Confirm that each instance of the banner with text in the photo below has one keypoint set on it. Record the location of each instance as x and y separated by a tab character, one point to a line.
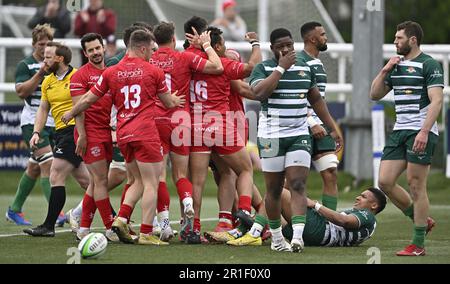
14	152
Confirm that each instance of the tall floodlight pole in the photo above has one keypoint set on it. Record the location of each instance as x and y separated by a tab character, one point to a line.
368	39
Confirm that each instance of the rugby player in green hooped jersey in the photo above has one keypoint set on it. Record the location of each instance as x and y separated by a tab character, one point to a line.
324	156
418	81
325	226
284	84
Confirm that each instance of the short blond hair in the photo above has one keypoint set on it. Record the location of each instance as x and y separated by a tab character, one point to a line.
41	31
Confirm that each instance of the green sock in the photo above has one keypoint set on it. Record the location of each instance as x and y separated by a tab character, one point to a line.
329	201
409	212
46	187
275	224
242	228
298	219
26	184
419	236
260	219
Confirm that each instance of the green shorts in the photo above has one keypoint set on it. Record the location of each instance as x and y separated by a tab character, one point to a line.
47	136
276	147
117	155
400	143
323	145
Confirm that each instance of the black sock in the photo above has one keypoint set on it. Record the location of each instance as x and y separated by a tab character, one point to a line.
55	205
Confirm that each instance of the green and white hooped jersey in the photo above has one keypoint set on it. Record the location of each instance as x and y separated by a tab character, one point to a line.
284	113
321	232
339	236
321	78
410	80
24	72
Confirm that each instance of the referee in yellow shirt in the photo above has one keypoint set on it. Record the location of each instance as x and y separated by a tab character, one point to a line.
56	97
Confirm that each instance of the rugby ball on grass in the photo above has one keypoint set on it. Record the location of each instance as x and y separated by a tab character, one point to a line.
93	245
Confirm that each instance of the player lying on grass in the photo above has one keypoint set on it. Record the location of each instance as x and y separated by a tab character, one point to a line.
324	226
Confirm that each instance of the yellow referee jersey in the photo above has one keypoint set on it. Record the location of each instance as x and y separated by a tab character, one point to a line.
57	92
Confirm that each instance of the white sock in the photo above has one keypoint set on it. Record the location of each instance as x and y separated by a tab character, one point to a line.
256	230
83	230
277	236
124	220
163	219
235	233
298	230
155	222
187	201
77	210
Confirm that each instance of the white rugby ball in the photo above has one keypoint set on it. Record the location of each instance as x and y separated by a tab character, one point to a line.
93	245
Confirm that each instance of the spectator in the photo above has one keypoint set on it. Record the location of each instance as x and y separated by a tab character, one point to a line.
232	25
55	14
111	47
95	19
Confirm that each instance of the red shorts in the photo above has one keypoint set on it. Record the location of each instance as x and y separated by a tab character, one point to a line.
142	151
172	137
96	151
223	140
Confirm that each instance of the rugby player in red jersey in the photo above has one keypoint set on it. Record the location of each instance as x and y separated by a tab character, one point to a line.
134	85
178	68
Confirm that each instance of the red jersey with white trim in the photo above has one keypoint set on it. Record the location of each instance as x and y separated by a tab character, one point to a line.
212	92
178	68
134	84
98	115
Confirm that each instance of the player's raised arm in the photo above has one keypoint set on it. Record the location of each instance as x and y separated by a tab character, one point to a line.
256	56
379	89
213	64
263	89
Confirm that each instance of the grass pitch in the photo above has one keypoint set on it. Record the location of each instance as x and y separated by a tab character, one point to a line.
393	232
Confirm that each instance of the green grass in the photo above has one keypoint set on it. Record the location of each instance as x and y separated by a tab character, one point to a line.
393	232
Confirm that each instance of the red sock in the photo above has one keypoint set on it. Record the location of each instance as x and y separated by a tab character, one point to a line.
226	217
88	211
163	197
197	225
125	211
146	229
124	192
245	203
184	188
104	207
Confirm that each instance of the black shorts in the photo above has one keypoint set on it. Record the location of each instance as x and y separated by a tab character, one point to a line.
65	146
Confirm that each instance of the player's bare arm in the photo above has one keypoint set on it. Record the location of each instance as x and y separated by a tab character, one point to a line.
25	89
243	89
346	221
436	97
256	56
81	144
171	100
264	89
41	119
214	64
379	89
321	109
86	101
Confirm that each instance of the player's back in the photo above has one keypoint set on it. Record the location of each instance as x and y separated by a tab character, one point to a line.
178	68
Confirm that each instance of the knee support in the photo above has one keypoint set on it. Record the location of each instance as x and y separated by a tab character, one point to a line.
326	162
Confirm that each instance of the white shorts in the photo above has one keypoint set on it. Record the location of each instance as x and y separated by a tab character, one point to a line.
299	158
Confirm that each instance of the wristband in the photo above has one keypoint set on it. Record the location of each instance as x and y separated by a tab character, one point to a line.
36	132
255	43
311	121
209	47
280	69
208	43
317	206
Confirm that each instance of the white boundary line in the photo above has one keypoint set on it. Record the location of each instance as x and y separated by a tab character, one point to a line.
96	228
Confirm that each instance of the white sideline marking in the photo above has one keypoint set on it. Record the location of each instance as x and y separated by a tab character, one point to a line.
97	228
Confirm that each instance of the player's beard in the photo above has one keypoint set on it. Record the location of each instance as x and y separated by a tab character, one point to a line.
405	50
322	47
54	67
97	59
